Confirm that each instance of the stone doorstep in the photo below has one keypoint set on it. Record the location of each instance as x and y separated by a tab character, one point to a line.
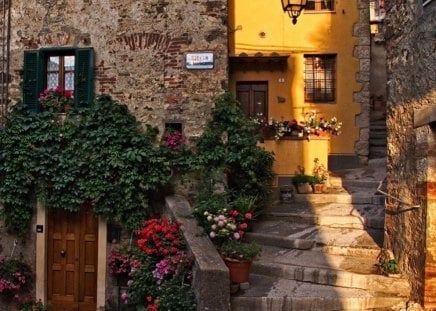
373	283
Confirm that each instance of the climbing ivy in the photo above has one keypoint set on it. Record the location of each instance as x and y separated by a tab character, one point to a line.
229	143
99	155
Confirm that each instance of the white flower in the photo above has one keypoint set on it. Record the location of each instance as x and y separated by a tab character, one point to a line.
212	235
213	227
206	213
209	218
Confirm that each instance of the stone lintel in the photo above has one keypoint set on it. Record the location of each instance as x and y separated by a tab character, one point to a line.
424	116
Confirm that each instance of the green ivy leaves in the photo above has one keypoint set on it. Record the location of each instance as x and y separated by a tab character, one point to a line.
99	155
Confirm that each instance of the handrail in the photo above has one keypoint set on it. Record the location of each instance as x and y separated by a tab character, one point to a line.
395	198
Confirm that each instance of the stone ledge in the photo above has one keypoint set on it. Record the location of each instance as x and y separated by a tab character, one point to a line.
424	116
211	276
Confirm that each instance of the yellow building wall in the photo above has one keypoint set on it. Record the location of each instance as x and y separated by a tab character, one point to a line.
262	26
290	154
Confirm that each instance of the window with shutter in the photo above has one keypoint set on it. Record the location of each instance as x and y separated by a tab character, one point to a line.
69	68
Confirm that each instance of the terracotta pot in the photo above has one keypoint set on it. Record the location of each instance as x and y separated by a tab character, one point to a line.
239	270
304	188
318	188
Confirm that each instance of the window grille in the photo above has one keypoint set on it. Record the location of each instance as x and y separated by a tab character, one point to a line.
320	78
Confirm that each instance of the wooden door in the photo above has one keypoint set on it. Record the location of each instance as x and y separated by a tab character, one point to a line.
72	260
253	97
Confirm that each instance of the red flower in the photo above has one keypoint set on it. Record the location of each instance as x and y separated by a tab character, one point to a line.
248	215
243	226
157	237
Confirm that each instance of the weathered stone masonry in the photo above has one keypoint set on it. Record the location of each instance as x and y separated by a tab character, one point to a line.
411	143
140	48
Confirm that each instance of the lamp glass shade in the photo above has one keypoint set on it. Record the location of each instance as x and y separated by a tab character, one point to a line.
293	5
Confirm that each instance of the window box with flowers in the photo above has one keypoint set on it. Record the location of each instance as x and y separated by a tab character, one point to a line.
56	100
310	126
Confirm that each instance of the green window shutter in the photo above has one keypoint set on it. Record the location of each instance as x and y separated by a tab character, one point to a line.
32	80
84	76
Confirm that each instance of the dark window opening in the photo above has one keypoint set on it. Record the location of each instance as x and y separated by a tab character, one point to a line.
319	78
320	5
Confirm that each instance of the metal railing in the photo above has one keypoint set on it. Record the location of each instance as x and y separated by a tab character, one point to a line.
410	205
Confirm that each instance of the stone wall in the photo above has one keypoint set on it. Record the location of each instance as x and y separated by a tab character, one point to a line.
140	48
411	86
362	51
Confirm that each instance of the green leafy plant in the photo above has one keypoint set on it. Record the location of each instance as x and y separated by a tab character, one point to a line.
390	266
239	250
99	155
229	142
300	177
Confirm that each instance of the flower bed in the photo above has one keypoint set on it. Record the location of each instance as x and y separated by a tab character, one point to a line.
157	270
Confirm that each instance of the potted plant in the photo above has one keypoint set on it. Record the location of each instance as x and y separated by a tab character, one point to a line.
302	181
320	176
238	256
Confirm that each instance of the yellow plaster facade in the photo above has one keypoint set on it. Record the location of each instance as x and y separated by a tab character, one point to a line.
261	28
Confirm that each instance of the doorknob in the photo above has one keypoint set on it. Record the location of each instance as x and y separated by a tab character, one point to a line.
62	253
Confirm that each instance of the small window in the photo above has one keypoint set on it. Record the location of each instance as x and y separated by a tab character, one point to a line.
319	78
72	69
320	5
60	72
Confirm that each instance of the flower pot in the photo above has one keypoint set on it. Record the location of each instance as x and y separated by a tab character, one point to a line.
318	188
304	188
239	270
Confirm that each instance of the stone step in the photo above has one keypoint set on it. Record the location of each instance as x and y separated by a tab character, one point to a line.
282	233
380	142
357	197
330	214
377	152
268	293
317	267
378	134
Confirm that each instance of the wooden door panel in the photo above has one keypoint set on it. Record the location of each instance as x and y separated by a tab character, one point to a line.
253	97
72	260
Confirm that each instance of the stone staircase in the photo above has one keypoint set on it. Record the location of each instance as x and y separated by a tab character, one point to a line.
319	252
377	136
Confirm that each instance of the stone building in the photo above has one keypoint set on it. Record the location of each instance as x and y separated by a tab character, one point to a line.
411	117
167	61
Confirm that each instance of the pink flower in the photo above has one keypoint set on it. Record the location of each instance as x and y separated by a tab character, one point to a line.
248	215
